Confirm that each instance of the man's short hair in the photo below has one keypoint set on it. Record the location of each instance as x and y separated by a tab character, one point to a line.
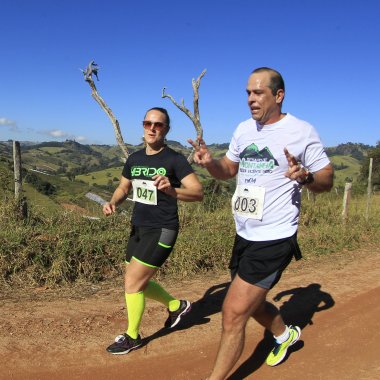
276	80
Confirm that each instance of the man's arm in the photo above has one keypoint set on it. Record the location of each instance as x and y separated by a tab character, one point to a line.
223	168
318	182
322	180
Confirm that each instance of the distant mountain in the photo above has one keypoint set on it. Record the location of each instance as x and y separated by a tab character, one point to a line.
70	156
358	151
67	170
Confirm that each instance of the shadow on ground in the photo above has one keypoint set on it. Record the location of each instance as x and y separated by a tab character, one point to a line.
201	310
298	310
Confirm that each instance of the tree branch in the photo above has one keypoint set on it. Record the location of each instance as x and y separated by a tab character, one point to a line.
91	69
195	118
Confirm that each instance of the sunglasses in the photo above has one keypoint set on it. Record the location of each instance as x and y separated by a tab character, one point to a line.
158	124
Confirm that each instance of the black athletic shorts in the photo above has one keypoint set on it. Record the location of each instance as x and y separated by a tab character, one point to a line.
261	263
150	246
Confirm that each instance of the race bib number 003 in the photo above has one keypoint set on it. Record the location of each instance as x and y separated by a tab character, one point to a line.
144	192
248	201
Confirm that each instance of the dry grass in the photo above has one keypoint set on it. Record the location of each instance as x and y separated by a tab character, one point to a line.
64	248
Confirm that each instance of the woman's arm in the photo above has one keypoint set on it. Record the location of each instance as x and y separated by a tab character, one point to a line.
119	195
190	191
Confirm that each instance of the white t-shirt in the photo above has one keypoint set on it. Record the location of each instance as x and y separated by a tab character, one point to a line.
262	165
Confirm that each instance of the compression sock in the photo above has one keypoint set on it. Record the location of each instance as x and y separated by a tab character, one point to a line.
156	292
135	309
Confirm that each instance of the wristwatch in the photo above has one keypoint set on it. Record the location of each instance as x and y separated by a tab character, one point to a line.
309	178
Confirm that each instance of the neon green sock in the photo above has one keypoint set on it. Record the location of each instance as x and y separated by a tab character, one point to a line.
135	309
156	292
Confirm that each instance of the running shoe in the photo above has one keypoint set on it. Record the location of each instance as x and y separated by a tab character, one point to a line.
175	316
278	353
124	344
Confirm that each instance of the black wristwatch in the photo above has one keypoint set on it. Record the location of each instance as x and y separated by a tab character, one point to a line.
309	178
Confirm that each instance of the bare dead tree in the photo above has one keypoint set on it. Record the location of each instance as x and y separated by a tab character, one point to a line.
193	117
92	69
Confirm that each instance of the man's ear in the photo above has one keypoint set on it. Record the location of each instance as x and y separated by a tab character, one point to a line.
280	96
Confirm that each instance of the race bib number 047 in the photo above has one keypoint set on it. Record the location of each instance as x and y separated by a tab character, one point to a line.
144	192
248	201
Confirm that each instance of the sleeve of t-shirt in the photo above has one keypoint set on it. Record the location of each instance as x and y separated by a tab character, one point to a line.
182	167
314	156
233	152
127	170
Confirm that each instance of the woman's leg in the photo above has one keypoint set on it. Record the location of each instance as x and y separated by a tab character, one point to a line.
137	277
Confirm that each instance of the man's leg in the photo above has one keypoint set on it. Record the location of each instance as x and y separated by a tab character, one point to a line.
285	336
241	302
269	317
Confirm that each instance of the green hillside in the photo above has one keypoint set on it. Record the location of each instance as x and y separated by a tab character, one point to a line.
61	173
104	177
347	169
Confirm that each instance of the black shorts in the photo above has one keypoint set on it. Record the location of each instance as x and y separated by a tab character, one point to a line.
150	246
261	263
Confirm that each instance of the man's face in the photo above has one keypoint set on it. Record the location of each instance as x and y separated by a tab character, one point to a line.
265	107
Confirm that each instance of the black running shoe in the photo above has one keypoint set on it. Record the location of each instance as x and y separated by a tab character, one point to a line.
123	344
175	316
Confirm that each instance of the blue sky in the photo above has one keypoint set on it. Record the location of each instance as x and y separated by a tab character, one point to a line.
327	51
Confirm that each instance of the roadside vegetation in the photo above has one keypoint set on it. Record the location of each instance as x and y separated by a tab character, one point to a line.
64	247
65	239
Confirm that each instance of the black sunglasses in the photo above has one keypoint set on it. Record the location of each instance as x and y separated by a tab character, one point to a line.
158	124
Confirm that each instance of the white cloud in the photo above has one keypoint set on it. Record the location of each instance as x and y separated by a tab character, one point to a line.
7	122
57	133
11	124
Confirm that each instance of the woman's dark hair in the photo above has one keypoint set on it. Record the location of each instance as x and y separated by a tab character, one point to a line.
162	110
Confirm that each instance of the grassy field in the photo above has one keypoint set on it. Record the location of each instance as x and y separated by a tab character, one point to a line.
61	246
352	170
58	244
102	177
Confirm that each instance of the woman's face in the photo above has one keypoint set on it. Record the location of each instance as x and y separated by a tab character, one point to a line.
155	128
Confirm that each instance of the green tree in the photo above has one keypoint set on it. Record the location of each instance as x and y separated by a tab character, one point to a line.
364	170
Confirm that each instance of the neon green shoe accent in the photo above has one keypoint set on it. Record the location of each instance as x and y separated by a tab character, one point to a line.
174	305
164	245
278	353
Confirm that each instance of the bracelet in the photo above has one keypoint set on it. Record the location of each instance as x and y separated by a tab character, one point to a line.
309	178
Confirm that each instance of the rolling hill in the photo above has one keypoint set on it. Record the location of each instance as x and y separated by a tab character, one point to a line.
57	173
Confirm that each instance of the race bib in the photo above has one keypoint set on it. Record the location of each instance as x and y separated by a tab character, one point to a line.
248	201
144	192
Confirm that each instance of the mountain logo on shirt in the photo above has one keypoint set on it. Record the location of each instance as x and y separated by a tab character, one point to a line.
255	161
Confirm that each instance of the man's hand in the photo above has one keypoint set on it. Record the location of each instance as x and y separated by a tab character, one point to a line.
109	209
202	155
295	171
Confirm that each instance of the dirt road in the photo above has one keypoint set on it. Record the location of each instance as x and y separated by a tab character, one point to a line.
62	334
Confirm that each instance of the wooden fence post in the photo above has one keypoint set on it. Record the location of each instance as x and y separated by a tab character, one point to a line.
346	199
20	201
369	188
311	195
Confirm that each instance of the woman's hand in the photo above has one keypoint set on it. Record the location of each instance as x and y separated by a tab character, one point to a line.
163	184
109	209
